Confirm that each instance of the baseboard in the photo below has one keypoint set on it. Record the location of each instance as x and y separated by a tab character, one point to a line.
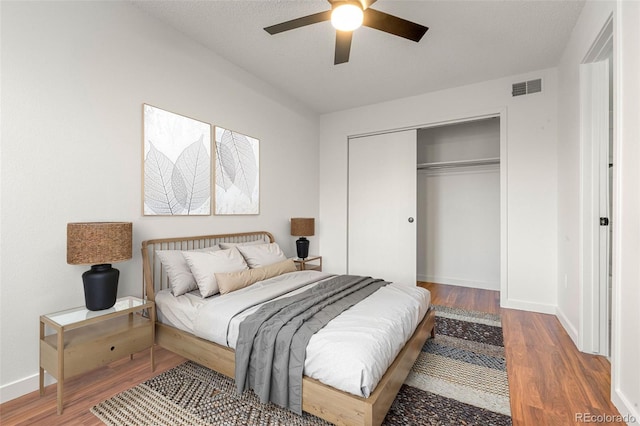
568	327
630	414
460	282
529	306
22	387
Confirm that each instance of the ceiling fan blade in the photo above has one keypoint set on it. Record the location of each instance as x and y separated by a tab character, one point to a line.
343	46
367	3
393	25
299	22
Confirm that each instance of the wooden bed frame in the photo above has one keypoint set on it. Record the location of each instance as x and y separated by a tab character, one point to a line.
333	405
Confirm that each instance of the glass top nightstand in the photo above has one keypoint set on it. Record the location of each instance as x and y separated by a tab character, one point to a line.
310	263
78	316
83	340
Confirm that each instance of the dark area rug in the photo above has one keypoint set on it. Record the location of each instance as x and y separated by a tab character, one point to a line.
460	378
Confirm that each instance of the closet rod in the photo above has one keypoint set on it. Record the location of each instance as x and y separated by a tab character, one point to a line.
459	163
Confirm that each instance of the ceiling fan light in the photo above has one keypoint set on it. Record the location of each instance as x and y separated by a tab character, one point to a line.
347	17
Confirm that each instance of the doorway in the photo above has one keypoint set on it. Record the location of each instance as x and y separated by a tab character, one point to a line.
459	204
596	147
368	247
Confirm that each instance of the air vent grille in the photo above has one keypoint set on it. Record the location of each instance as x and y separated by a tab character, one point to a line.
526	87
519	89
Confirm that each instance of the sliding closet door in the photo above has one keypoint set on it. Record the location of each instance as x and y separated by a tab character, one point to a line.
382	206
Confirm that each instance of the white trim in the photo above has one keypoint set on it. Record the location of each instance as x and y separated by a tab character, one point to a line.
460	282
523	305
626	62
504	217
24	386
493	113
594	145
632	417
568	326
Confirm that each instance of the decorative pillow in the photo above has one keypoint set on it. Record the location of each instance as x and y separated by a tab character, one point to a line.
181	279
262	254
236	280
225	246
205	265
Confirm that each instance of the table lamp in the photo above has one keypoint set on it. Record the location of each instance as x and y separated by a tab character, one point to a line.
302	227
99	244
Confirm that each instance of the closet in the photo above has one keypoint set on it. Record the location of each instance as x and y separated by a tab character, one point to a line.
458	204
424	204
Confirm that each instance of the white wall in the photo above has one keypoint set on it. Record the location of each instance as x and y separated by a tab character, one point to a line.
458	221
625	371
74	78
462	141
625	368
459	227
531	137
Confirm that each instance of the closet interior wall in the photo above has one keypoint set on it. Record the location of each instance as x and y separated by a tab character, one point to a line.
458	229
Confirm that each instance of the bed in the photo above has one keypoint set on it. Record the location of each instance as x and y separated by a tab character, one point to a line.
174	332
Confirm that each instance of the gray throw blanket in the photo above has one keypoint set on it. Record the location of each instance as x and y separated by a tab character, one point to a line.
272	342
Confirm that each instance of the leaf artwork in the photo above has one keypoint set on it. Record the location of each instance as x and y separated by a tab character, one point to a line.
237	173
177	164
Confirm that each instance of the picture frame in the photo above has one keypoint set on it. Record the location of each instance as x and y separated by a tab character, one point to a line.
237	176
177	177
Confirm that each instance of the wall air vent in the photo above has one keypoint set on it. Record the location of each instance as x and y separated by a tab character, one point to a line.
519	89
526	87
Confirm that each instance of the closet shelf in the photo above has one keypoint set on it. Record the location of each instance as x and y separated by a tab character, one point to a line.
458	163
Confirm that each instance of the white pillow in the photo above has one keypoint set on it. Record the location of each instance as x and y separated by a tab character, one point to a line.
181	279
225	246
204	266
262	255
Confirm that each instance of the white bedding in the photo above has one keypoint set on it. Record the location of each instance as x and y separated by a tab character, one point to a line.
351	353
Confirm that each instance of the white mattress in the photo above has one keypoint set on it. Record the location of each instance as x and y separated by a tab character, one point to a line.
351	353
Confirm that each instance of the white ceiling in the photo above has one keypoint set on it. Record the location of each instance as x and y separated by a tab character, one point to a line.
467	42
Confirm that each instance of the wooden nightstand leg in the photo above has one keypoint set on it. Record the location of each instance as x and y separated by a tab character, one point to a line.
130	324
41	378
41	381
60	370
152	316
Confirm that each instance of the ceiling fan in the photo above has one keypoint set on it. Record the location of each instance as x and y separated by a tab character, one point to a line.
348	15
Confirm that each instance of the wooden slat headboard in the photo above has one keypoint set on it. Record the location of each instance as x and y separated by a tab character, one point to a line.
154	276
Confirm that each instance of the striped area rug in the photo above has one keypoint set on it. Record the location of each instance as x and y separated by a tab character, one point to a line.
459	379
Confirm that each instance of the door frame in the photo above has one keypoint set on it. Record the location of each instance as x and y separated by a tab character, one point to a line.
500	113
595	306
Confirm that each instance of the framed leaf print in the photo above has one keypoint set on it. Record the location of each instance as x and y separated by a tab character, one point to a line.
237	163
177	164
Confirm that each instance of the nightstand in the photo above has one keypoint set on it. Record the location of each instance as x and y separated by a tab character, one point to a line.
84	340
310	263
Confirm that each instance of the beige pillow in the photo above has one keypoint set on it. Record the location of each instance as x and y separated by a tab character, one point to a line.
181	279
205	265
228	282
261	255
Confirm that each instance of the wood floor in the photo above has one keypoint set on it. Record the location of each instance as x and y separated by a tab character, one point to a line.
549	380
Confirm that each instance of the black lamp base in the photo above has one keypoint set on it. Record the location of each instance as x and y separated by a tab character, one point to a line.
302	246
100	287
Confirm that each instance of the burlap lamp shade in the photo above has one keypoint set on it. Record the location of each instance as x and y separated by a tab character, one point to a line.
302	227
99	244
